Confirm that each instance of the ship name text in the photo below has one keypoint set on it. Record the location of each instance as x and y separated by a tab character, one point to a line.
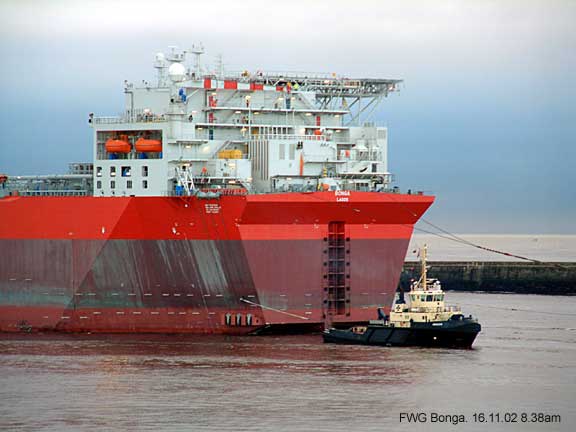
342	196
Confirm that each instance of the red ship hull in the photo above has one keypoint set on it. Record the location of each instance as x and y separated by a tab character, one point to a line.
234	265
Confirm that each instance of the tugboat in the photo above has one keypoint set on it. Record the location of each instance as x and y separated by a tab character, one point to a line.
423	320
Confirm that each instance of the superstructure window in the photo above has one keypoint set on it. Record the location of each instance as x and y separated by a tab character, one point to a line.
126	171
112	171
129	184
99	184
99	171
144	184
112	184
282	155
144	171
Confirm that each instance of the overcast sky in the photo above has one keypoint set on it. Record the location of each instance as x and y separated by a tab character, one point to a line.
485	119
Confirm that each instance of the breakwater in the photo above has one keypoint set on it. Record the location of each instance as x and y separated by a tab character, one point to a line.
558	278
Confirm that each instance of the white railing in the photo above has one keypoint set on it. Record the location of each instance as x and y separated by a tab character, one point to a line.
63	192
136	117
291	137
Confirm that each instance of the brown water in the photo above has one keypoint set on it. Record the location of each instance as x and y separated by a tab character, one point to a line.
523	361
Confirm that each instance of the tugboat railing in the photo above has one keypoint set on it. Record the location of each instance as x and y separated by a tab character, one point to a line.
436	309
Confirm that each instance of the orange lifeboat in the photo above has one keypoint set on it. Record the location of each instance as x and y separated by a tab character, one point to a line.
144	145
118	146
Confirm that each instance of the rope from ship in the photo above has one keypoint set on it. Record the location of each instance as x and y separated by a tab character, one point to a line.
242	299
460	240
453	237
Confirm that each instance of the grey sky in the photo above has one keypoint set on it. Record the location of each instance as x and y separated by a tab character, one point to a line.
485	119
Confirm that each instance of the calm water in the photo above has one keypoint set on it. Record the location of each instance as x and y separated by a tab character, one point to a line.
539	247
523	361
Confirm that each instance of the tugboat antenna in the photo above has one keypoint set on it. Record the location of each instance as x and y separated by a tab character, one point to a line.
423	259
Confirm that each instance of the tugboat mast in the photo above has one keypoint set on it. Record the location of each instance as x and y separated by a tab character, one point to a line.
423	260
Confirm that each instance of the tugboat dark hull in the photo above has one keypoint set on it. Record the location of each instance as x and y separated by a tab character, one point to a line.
449	334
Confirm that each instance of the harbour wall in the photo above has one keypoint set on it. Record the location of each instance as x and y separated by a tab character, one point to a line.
552	278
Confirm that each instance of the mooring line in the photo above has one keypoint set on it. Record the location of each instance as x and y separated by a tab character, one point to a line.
242	299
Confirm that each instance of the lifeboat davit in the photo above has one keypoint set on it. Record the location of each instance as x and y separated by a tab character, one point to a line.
144	145
118	146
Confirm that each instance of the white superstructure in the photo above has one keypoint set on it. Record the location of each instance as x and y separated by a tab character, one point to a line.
194	130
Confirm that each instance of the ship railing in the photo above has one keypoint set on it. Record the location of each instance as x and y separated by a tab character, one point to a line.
369	155
275	76
226	191
291	137
311	78
62	192
210	192
109	120
135	118
257	120
425	309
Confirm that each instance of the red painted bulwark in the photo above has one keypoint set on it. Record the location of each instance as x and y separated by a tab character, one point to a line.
256	86
230	85
207	83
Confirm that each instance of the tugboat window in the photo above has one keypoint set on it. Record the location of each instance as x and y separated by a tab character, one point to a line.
429	298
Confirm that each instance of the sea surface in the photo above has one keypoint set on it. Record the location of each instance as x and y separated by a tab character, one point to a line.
536	246
523	361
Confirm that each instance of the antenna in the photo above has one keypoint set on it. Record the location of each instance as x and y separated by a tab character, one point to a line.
160	64
423	259
197	50
220	66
